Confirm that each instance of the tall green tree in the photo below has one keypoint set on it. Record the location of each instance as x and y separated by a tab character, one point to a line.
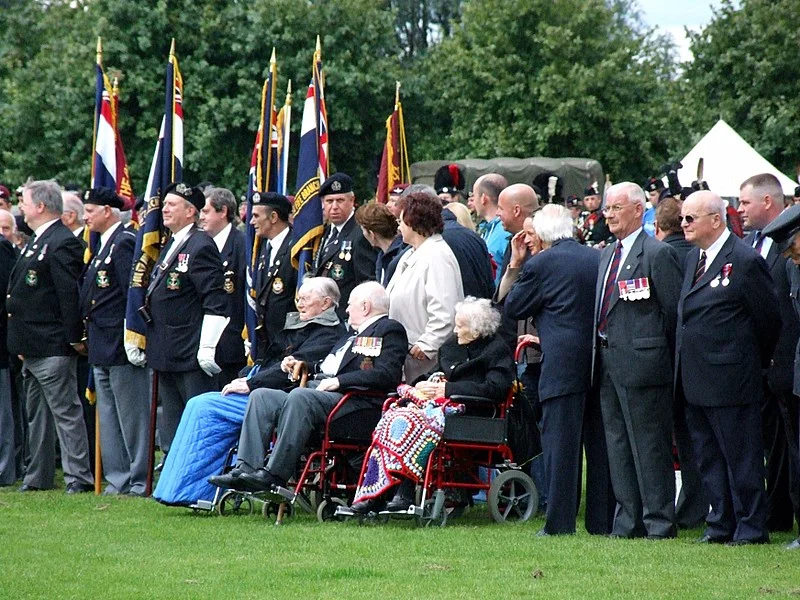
554	78
746	71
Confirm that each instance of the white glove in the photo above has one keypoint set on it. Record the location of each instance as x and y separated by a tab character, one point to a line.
213	326
136	355
247	347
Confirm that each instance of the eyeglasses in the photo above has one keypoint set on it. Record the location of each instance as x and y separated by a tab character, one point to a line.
617	208
692	218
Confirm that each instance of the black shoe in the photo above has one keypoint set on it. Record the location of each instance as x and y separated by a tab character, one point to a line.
29	488
228	480
795	545
542	533
403	497
710	539
79	488
367	506
761	540
160	466
259	481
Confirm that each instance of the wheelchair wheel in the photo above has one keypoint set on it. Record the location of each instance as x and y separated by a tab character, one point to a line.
512	497
234	503
270	510
327	508
427	520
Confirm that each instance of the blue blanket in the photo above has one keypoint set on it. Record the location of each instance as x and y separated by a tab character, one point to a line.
209	428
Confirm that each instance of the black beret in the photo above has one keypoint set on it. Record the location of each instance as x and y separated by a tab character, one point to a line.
278	202
573	202
338	183
103	196
448	179
653	184
783	228
192	195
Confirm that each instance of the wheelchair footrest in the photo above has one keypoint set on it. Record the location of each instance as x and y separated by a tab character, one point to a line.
465	428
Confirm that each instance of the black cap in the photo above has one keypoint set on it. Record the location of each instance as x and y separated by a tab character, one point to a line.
103	196
665	193
797	192
783	228
653	184
338	183
278	202
592	190
449	179
192	195
687	191
573	202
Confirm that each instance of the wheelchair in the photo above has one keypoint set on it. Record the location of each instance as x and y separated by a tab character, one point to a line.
477	438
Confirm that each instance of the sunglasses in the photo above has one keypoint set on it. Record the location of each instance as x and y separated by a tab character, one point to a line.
692	218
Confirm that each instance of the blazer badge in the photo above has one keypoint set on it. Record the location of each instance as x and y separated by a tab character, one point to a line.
277	285
173	281
102	279
32	278
337	272
229	286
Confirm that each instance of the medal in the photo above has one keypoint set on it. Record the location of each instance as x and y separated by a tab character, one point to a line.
715	282
183	263
367	346
42	253
108	258
726	274
345	254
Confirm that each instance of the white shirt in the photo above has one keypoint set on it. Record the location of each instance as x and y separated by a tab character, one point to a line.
275	245
106	235
765	245
177	239
43	227
713	249
627	244
330	366
222	237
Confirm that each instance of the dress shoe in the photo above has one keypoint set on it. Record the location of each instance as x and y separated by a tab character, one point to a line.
761	540
228	480
403	497
795	545
160	466
655	536
259	481
542	533
79	488
367	506
29	488
710	539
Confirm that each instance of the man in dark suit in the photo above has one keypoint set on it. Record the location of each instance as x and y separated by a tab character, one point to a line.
728	326
636	300
186	303
276	279
555	288
474	260
123	389
369	358
216	219
45	329
760	203
8	466
784	231
344	254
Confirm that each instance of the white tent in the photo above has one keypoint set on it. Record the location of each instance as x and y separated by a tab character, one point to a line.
727	161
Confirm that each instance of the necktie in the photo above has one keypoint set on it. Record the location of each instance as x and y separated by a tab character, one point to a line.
333	236
759	242
701	267
268	254
611	281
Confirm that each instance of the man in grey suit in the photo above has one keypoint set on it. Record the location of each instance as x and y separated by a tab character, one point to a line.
636	300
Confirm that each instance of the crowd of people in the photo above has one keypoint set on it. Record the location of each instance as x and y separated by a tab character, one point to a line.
656	333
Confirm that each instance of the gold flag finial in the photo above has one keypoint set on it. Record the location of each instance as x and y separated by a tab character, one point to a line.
397	94
319	46
272	59
288	100
172	48
99	51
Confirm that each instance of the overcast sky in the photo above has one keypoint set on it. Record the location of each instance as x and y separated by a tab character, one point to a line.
673	15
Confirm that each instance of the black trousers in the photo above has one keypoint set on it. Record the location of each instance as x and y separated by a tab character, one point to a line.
779	428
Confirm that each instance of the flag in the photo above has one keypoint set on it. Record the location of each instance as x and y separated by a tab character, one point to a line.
394	162
166	168
263	177
312	169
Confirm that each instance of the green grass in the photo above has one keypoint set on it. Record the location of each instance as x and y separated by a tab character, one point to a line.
58	546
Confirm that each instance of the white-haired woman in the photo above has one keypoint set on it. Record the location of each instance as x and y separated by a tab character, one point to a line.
475	362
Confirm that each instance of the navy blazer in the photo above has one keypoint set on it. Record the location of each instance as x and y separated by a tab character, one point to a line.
780	375
104	295
230	349
726	333
7	259
347	270
190	287
381	373
472	255
42	302
275	288
556	289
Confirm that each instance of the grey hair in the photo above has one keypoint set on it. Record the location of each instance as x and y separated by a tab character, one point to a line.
48	193
322	287
219	197
553	223
10	215
376	294
632	191
71	202
420	188
715	204
482	318
124	215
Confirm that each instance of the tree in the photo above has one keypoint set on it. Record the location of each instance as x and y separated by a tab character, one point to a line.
745	70
554	78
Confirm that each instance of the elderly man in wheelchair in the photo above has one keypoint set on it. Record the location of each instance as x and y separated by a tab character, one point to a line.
370	358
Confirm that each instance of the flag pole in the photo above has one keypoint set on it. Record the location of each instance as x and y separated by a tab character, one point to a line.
99	62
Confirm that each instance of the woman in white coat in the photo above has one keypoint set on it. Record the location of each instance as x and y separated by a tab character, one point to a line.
426	285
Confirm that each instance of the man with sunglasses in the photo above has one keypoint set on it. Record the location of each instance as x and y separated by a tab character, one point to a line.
636	303
728	326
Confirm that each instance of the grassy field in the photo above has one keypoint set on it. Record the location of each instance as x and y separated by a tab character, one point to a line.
58	546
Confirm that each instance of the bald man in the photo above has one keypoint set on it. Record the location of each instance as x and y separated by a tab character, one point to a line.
728	327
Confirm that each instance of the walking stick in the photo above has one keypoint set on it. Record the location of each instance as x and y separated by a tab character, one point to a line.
151	454
98	462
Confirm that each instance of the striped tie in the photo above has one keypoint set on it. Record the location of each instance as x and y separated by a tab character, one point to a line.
759	242
701	267
602	321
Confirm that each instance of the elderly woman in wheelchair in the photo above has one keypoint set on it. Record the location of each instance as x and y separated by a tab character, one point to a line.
475	362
